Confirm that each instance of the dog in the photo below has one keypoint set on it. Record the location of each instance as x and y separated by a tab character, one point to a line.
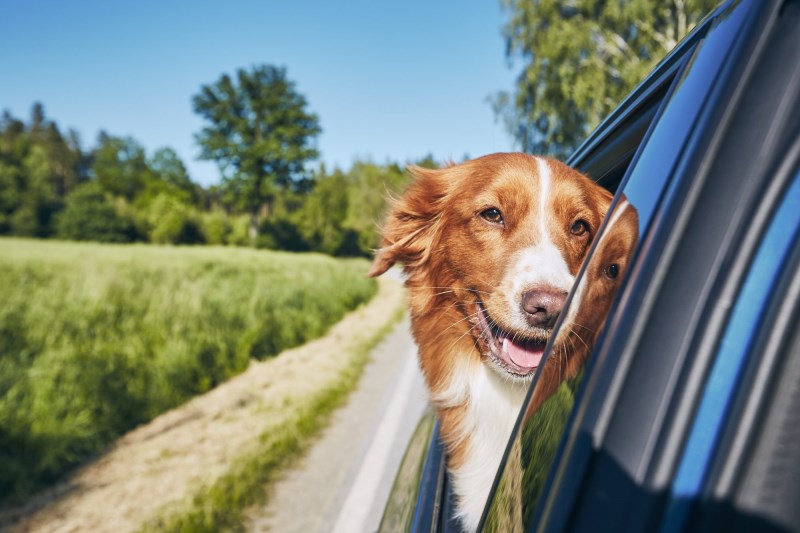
490	249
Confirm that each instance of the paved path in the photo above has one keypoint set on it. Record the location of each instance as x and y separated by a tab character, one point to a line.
343	482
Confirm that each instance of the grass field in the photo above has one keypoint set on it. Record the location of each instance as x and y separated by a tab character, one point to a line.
96	339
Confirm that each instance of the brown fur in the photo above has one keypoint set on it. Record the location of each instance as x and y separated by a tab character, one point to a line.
450	254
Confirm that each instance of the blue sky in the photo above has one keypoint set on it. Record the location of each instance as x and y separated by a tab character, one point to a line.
390	80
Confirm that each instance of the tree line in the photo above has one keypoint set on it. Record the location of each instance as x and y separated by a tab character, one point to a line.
51	186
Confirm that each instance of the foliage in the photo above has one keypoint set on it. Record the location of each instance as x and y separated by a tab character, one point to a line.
117	192
120	166
339	215
259	132
103	193
580	59
216	227
323	216
173	221
95	339
370	187
90	216
240	231
38	166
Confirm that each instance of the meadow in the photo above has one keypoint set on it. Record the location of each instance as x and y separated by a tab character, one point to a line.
97	339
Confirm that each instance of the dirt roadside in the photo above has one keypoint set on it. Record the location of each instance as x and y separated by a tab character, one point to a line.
158	466
350	470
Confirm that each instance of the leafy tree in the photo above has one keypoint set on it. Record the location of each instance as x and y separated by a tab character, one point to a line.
259	132
370	185
38	202
215	226
580	59
119	166
90	216
165	174
10	194
173	222
167	168
324	212
343	212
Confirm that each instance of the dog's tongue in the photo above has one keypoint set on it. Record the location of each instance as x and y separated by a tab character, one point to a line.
527	357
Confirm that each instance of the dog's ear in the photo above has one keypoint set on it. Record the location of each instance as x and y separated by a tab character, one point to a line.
412	223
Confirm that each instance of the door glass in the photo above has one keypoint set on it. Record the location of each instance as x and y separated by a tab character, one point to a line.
530	456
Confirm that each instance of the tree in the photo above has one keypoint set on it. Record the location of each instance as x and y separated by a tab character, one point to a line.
324	211
260	134
38	167
168	167
580	58
90	216
120	166
166	174
370	185
38	201
173	222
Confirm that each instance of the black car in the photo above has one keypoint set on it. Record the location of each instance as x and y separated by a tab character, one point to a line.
687	414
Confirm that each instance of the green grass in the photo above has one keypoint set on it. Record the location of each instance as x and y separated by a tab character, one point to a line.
96	339
220	505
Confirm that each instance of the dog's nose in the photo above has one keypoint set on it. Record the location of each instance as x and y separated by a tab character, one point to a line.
542	306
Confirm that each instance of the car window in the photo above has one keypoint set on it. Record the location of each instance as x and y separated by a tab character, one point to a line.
549	406
535	444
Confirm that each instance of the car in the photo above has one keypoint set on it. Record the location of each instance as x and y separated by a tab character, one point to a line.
686	416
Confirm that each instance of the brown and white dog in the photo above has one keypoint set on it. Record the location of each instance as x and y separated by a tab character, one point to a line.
490	248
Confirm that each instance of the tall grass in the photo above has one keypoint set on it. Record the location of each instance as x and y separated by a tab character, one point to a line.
221	505
95	339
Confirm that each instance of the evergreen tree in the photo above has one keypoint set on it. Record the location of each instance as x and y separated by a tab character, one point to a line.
38	167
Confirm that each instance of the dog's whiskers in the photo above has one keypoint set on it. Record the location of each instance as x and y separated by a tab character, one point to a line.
590	330
457	322
456	341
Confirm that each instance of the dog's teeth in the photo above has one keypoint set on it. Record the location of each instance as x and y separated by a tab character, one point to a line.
505	345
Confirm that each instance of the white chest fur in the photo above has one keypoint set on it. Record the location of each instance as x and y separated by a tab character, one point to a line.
493	404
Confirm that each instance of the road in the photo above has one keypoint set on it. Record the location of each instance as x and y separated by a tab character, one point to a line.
343	482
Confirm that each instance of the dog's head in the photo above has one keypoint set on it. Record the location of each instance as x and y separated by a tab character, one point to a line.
499	240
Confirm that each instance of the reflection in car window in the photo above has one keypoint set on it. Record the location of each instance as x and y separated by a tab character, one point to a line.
530	457
534	446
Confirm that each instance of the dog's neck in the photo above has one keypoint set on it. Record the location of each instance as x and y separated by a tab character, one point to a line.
476	406
478	409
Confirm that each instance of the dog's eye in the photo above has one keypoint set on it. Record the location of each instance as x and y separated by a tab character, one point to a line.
579	227
493	215
611	271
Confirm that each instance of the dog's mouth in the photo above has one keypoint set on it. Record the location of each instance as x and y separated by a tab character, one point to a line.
517	355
